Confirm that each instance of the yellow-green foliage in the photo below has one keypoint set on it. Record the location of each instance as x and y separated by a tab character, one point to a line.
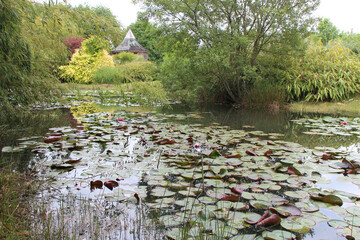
125	57
139	71
326	73
85	62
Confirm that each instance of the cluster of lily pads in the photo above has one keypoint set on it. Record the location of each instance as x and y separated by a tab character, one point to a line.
330	126
202	182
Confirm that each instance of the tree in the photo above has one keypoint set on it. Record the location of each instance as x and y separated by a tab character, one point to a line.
327	30
233	36
19	86
149	36
98	21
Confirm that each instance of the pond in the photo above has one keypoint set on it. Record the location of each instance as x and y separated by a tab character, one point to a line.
205	173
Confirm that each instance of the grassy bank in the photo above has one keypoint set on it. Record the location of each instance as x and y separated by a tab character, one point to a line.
350	107
14	212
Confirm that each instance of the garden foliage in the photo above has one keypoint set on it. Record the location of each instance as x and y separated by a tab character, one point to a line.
90	57
230	39
125	57
325	73
129	68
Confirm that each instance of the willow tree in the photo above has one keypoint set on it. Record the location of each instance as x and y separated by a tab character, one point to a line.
19	84
233	35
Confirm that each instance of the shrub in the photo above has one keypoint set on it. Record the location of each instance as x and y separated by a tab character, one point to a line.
86	61
139	71
326	73
109	75
72	44
125	57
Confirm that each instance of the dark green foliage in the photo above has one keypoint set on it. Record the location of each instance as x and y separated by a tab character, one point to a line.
150	37
229	42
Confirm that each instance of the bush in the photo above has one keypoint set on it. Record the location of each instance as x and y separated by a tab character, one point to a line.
326	73
86	61
125	57
139	71
109	75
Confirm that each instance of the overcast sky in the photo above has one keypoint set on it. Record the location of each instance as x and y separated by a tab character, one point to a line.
344	14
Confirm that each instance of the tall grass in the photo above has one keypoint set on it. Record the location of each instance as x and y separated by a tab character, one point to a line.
109	75
14	189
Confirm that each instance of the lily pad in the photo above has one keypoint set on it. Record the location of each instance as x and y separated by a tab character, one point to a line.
278	235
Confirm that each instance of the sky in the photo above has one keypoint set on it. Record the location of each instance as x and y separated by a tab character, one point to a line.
344	14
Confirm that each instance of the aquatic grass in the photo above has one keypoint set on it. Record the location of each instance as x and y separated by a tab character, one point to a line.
70	217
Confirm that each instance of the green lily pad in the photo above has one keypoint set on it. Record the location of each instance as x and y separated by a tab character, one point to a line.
244	237
294	226
354	210
162	192
339	224
278	235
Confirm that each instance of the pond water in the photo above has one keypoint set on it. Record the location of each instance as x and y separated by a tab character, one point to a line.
211	172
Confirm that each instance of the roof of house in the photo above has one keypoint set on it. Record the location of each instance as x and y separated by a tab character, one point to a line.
129	44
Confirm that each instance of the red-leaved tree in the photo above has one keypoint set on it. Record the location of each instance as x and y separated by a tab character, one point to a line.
73	43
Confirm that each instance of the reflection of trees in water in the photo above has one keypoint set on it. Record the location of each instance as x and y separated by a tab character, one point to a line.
269	122
295	134
33	123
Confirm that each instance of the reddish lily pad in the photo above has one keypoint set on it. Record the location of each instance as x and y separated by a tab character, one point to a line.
287	210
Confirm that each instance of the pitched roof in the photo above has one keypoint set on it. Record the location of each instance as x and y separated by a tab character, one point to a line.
129	44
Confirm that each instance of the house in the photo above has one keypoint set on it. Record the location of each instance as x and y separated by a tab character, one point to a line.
129	44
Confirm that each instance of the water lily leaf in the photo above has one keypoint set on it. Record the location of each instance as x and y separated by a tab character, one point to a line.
64	166
339	224
332	199
52	139
353	220
354	210
244	237
214	154
247	195
231	205
286	210
212	224
9	149
111	184
72	161
274	219
306	207
252	217
207	200
293	171
170	220
162	192
96	184
175	233
231	198
278	235
294	226
225	232
296	194
257	204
